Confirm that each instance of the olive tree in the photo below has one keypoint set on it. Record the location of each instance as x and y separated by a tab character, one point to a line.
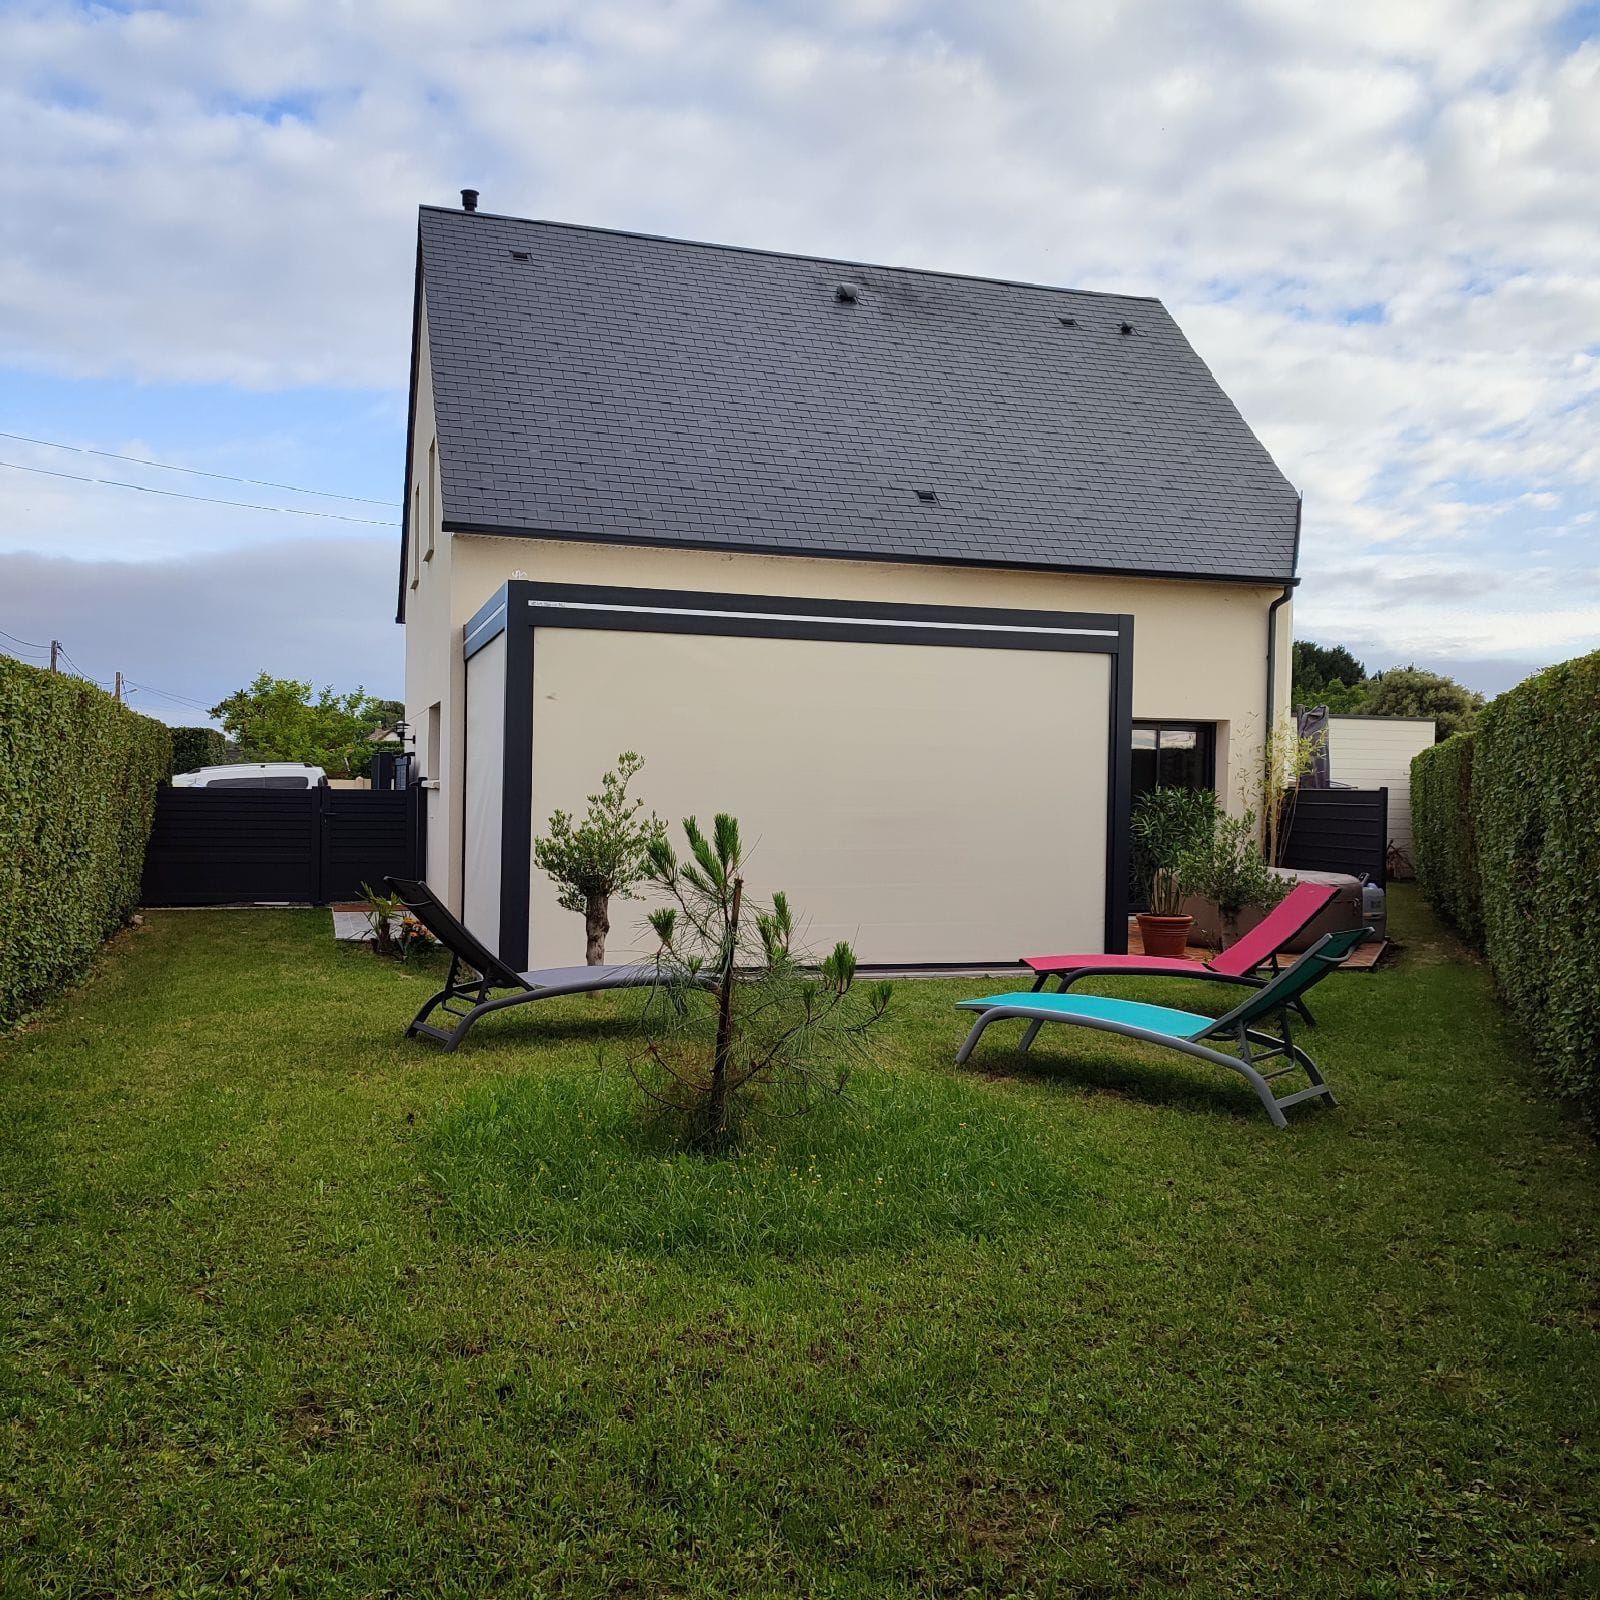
604	855
738	1007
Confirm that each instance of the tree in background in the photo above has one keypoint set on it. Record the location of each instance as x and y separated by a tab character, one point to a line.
1327	675
279	719
1319	664
1330	676
738	1008
197	747
1342	700
1414	692
605	854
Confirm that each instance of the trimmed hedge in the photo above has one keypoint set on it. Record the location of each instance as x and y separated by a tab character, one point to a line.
78	778
197	747
1442	833
1536	813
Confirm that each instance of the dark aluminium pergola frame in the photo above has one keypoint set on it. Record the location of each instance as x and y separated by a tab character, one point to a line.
521	607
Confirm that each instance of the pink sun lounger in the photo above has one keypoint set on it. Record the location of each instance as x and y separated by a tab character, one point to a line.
1251	960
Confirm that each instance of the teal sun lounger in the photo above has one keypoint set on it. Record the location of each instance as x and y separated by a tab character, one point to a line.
1240	1041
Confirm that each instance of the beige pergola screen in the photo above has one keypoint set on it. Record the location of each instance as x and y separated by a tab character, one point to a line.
929	804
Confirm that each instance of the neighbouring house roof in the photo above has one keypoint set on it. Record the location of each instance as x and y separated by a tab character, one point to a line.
602	385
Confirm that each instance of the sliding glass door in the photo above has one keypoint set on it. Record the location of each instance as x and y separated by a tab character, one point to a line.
1172	755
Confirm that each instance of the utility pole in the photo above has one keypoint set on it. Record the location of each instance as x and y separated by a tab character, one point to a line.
55	655
119	687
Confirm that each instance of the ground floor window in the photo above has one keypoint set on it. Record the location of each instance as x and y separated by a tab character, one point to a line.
1173	755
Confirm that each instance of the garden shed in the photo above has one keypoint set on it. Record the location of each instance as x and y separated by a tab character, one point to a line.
1375	753
900	567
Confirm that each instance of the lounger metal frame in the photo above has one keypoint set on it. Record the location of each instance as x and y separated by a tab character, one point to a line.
1255	1047
476	972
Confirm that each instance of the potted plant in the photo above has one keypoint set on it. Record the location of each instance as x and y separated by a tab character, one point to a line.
1226	867
1169	825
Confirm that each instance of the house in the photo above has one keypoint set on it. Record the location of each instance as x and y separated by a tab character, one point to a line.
917	574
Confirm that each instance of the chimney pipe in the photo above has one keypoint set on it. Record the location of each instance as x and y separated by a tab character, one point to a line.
469	199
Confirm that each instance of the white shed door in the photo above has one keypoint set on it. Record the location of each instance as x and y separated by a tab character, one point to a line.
926	803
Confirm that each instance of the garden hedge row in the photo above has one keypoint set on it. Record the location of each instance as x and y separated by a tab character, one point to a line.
1533	820
78	778
1442	833
197	747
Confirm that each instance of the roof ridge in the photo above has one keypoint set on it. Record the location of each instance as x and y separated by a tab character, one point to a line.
786	255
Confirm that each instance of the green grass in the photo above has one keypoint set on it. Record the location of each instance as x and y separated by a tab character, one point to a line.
568	1159
293	1307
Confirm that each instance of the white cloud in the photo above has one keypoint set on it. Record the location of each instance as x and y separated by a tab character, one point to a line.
225	191
190	631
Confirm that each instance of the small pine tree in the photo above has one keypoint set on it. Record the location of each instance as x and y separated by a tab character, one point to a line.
738	1006
604	855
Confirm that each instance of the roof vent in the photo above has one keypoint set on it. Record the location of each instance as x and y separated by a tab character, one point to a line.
522	255
1068	322
929	496
469	199
847	294
1126	327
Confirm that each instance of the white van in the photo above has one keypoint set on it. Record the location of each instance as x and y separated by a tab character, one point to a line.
252	775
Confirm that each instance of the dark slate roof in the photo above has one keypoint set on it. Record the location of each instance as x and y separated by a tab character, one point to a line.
613	385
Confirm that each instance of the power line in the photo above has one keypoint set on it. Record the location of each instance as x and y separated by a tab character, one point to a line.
168	694
78	671
197	472
188	702
206	499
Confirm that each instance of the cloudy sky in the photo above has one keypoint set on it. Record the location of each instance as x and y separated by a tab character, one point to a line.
1378	220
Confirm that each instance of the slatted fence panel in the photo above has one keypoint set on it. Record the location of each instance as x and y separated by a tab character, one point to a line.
213	847
1340	830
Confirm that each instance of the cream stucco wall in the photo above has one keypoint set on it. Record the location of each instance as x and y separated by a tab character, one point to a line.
1199	648
434	672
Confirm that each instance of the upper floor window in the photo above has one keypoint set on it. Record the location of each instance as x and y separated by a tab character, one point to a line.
416	535
433	503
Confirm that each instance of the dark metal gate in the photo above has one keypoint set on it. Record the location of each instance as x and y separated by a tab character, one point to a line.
214	847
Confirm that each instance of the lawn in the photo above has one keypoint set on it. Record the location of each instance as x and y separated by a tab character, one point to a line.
294	1307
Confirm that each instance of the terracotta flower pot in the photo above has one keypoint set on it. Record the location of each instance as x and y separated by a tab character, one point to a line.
1164	936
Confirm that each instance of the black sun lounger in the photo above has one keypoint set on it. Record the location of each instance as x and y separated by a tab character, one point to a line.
476	972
